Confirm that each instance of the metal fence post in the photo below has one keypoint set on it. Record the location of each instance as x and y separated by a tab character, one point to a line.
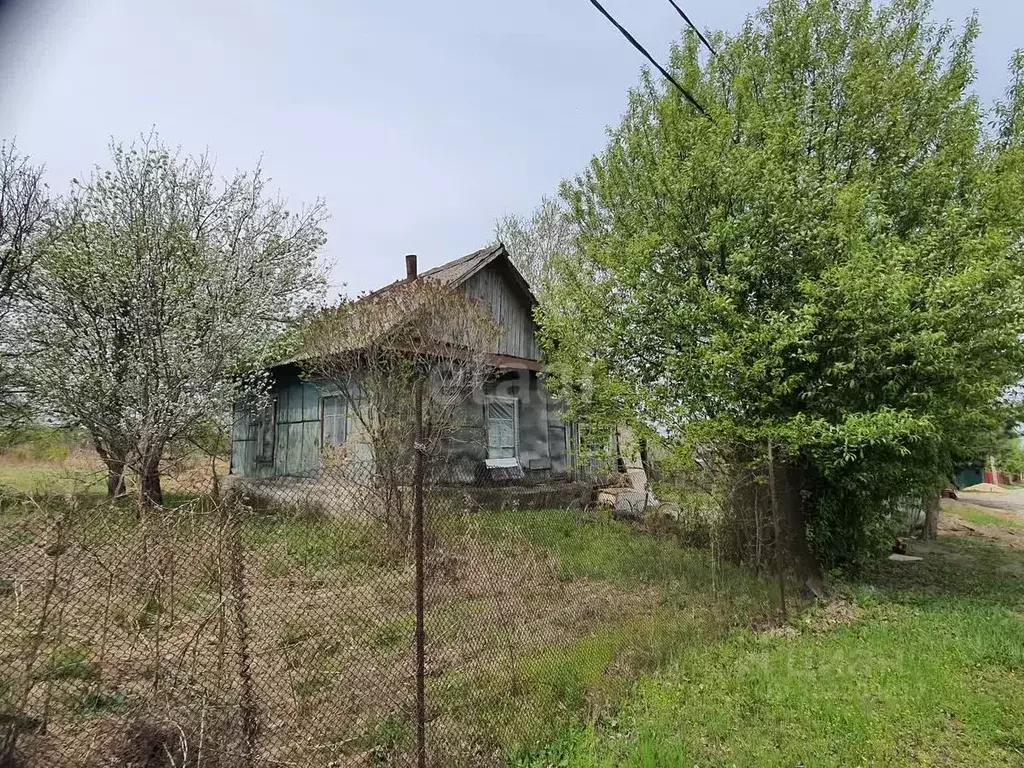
779	561
418	531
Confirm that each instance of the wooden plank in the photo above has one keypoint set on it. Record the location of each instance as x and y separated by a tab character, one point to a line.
239	466
510	311
310	402
293	413
281	450
293	459
281	404
310	459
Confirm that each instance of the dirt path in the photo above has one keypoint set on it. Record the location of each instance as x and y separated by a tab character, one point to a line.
1004	527
1006	500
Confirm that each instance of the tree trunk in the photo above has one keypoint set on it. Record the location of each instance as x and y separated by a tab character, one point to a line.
152	492
645	459
214	480
115	479
931	516
792	481
115	464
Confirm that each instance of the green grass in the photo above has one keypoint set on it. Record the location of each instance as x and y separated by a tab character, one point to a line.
600	548
669	596
310	546
50	477
71	663
981	517
930	673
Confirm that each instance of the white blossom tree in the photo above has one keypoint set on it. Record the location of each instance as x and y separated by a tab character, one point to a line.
536	242
158	288
23	208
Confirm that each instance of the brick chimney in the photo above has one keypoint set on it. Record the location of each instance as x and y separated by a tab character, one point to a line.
410	267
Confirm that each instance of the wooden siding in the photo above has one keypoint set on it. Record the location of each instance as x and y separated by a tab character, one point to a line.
297	451
510	309
296	434
542	438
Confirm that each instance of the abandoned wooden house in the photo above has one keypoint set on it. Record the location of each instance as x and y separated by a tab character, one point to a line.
511	426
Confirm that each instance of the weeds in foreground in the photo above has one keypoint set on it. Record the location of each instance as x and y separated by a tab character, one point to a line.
280	634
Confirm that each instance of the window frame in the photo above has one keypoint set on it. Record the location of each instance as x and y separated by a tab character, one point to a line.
342	414
507	399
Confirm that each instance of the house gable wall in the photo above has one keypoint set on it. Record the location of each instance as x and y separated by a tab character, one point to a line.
510	307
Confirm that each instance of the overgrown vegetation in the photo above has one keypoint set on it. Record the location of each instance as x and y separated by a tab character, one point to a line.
536	620
403	363
828	261
919	663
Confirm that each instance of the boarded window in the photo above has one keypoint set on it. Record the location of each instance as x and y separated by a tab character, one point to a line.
332	421
502	415
266	432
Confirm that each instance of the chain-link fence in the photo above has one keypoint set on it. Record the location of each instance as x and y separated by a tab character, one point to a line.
335	620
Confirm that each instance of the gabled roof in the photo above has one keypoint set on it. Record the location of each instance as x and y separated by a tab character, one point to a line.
387	307
458	271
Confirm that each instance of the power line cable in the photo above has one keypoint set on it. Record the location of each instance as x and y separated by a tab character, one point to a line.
693	26
639	47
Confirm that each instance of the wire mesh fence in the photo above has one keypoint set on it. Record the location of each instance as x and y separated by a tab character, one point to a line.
332	620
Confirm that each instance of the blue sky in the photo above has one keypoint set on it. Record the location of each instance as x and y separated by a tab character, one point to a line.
418	122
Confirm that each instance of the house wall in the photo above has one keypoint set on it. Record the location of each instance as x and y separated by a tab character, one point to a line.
542	433
296	435
297	431
511	310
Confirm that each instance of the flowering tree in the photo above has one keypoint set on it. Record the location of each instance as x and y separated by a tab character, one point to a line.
23	207
158	288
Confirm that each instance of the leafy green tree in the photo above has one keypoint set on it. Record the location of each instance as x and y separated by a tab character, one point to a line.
830	262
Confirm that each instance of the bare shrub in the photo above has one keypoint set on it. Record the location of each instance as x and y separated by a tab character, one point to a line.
375	353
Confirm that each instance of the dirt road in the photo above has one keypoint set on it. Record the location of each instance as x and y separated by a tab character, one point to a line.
1005	500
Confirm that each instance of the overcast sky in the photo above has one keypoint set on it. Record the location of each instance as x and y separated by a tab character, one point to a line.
418	122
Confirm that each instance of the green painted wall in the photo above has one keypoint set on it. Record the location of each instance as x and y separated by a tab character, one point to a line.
292	447
296	444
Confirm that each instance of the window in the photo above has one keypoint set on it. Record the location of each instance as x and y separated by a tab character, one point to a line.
332	421
266	432
502	416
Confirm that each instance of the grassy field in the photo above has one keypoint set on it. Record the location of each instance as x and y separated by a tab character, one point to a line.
78	471
535	621
915	664
68	476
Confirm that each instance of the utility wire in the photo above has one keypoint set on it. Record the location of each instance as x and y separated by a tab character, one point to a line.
693	26
636	44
